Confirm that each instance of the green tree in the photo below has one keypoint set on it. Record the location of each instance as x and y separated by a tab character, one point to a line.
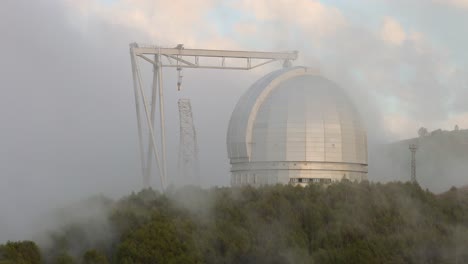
94	257
346	222
24	252
64	258
162	240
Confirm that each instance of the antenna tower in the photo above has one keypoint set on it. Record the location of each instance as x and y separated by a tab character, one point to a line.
413	148
189	168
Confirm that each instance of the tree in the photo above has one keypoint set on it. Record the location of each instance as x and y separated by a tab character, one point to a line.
24	252
64	259
422	132
94	257
162	240
345	222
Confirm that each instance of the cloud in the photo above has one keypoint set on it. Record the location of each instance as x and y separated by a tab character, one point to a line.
400	126
245	28
392	32
460	119
454	3
163	22
419	42
314	16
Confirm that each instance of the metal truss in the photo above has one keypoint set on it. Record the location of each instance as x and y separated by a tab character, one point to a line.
413	148
180	58
189	167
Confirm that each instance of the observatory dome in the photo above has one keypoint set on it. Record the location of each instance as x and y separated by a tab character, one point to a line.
295	126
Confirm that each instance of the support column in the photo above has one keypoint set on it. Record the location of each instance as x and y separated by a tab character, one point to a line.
149	155
413	148
162	118
150	127
137	106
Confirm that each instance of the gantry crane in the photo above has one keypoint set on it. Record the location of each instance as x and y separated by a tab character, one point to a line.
180	58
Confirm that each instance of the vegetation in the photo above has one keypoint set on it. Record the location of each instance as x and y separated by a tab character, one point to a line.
342	223
25	252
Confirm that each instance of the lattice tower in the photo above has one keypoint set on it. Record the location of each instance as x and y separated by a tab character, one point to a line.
189	171
413	148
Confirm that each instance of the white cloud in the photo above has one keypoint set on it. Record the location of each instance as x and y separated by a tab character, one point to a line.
455	3
245	28
310	15
419	42
392	32
459	119
400	126
164	22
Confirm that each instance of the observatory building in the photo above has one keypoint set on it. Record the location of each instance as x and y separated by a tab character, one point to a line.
294	126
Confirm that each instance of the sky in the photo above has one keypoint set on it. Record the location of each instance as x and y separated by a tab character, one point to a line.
66	100
409	53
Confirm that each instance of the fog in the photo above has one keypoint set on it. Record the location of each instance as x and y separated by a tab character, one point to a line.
67	108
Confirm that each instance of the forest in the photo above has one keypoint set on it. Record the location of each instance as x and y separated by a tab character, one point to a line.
339	223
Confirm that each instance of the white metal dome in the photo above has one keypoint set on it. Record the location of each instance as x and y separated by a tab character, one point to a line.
295	126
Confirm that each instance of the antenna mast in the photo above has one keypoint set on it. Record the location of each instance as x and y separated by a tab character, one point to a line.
189	168
413	148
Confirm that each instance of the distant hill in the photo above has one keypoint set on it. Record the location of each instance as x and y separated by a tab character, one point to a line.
441	160
464	188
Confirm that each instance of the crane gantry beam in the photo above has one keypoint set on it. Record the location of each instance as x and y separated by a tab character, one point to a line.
217	53
180	57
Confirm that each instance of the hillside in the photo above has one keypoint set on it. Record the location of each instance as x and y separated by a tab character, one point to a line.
441	160
342	223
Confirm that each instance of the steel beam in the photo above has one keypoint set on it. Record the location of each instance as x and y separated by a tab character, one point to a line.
149	157
137	106
162	119
291	55
150	125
